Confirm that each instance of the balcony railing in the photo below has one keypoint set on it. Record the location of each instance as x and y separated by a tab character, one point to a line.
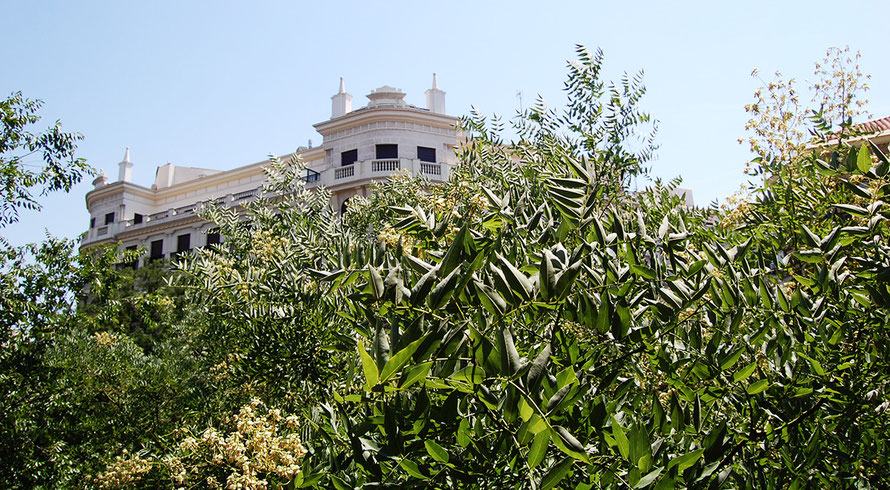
390	165
431	168
344	172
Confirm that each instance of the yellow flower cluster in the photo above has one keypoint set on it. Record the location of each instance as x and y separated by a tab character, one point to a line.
125	471
266	245
391	236
734	209
106	339
264	445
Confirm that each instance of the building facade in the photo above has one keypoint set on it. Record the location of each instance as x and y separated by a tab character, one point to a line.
359	146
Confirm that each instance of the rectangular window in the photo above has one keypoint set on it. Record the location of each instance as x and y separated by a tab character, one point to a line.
425	154
183	243
137	219
157	249
213	238
348	157
109	218
387	152
92	223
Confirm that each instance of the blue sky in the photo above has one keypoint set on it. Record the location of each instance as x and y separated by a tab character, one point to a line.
223	84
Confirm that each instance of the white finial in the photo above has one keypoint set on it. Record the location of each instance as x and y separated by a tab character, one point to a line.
435	82
342	86
125	168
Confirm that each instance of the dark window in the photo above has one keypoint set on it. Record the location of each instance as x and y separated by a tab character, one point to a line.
387	151
109	218
348	157
157	249
183	243
425	154
343	207
137	219
92	222
213	238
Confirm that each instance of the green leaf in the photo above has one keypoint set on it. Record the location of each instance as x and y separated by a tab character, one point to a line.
863	160
376	281
515	278
742	374
556	473
685	461
649	478
436	451
758	386
643	271
731	358
416	373
851	209
547	275
412	469
538	449
454	253
397	361
620	439
368	366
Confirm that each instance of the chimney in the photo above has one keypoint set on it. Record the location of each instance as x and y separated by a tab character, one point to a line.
125	172
435	98
341	103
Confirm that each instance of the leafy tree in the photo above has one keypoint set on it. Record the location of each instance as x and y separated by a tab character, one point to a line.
60	169
565	333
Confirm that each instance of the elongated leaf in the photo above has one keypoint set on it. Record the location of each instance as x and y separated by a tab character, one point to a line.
396	362
643	271
567	443
376	281
416	373
436	451
556	473
742	374
863	160
649	478
368	366
412	469
757	386
515	278
547	275
620	439
538	449
685	461
536	371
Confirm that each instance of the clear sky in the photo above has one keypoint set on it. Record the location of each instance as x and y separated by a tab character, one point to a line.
223	84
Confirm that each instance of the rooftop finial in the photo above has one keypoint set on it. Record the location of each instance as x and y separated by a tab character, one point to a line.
435	82
342	86
127	155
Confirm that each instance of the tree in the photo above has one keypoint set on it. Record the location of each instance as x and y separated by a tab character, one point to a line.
545	336
60	169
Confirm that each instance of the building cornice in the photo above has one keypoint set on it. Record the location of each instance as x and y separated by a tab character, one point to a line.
195	184
388	114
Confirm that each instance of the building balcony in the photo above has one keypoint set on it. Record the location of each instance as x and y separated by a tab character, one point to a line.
378	169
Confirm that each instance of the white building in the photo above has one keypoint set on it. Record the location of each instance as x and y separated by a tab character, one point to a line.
359	146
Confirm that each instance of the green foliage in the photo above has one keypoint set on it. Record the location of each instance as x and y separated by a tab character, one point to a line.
259	314
61	169
572	335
